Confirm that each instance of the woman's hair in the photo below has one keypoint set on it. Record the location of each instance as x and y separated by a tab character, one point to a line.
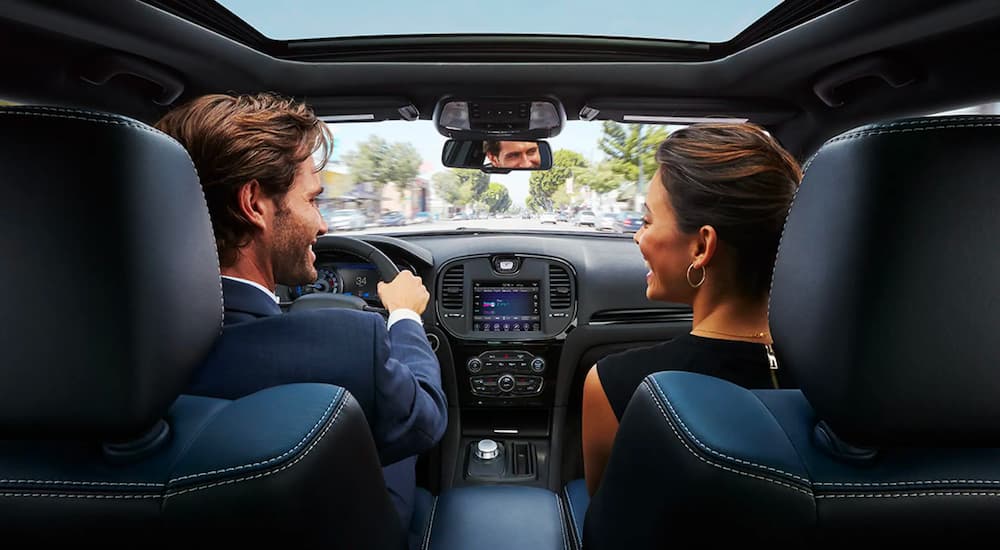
739	180
236	139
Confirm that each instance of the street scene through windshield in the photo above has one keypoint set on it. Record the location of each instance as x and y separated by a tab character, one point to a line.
388	177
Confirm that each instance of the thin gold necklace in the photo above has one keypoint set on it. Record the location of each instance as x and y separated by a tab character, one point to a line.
762	334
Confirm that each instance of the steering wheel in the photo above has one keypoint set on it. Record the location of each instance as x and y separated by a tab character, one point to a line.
386	270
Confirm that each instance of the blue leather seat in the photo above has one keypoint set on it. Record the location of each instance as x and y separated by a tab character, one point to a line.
112	299
885	307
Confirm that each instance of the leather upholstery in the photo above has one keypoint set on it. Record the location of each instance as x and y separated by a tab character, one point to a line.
104	265
114	300
577	501
497	517
882	308
885	293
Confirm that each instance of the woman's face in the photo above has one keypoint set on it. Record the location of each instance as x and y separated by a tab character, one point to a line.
668	252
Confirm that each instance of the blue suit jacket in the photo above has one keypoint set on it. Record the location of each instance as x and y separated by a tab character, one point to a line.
393	373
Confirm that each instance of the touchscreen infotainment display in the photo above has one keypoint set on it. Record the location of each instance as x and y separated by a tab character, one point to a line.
505	306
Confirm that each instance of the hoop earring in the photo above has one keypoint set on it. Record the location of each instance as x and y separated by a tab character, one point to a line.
704	273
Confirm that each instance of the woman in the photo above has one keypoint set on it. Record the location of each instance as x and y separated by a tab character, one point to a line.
713	217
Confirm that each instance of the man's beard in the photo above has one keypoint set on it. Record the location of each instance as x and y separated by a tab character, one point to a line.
290	257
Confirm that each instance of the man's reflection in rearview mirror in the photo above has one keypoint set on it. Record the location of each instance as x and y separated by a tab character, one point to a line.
512	154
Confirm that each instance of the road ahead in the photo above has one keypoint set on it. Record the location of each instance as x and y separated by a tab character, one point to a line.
491	224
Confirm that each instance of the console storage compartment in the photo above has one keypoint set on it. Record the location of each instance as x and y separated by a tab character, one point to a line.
497	517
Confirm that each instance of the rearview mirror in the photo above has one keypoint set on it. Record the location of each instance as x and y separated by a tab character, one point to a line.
497	157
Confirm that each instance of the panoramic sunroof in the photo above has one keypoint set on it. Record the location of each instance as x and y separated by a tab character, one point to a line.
690	20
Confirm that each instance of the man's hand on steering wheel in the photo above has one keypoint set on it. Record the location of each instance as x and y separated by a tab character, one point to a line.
406	291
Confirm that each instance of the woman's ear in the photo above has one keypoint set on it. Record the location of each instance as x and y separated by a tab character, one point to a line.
705	243
250	203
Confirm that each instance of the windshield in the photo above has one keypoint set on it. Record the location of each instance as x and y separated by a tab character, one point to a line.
389	177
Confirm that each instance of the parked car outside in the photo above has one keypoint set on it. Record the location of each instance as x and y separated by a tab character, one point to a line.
345	220
628	222
421	217
606	222
392	219
586	217
548	217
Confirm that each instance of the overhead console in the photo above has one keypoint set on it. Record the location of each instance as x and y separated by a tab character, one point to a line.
506	297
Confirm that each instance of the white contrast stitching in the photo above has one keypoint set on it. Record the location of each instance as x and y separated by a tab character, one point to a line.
273	459
168	495
562	522
903	483
912	495
271	472
572	518
713	451
73	495
96	483
109	118
707	461
430	526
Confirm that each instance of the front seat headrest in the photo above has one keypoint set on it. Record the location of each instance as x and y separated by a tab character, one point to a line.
110	271
886	291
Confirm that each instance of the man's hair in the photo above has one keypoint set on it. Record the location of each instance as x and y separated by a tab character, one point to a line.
491	147
739	180
234	139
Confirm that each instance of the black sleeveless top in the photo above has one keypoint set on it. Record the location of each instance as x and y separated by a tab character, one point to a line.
742	363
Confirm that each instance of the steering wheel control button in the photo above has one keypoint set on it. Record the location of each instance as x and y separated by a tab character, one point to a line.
506	383
487	449
538	365
474	365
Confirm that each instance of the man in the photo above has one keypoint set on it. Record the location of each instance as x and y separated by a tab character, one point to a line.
255	158
513	154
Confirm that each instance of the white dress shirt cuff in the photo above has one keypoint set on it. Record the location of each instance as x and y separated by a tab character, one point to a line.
402	313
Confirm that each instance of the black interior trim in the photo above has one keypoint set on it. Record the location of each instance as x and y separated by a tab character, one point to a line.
633	316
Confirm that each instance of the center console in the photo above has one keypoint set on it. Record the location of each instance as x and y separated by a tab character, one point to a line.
506	316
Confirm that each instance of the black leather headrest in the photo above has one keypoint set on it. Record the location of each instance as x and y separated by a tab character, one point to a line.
110	275
886	295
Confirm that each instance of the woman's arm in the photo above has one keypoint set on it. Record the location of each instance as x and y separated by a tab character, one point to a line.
599	428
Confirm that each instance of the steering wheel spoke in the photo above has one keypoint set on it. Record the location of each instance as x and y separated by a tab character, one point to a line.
385	268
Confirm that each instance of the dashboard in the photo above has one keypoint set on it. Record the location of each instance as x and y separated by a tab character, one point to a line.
341	274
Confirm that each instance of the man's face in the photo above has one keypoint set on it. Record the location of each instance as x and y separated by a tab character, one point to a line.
297	223
516	154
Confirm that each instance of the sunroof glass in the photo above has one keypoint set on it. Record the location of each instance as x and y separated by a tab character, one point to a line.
691	20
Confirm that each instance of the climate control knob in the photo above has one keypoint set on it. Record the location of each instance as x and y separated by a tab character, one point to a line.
506	382
538	364
474	365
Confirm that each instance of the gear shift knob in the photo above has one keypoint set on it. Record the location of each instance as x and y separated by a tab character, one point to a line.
487	449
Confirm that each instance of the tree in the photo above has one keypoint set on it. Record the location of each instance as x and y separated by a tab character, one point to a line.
496	198
451	189
601	178
378	162
625	144
542	185
476	181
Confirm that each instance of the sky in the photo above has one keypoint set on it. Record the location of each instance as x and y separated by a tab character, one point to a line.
699	20
577	135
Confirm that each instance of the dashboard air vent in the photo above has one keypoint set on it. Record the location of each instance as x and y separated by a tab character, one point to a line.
560	292
452	287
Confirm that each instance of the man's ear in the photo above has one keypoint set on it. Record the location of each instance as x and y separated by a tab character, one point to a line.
253	204
705	243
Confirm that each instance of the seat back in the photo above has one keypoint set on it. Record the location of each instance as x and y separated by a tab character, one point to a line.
113	299
883	307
